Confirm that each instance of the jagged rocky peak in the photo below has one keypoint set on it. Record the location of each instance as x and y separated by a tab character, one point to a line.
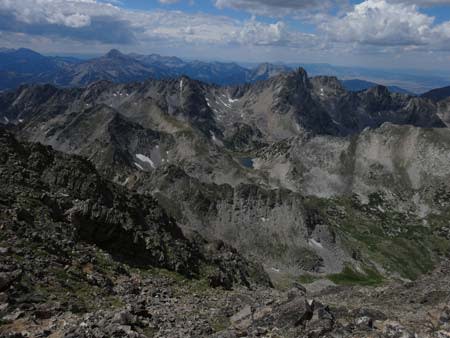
379	91
301	77
284	84
327	81
185	83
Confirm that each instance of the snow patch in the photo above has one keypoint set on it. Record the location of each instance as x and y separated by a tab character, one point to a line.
6	119
313	242
275	269
144	158
223	103
232	100
138	166
181	85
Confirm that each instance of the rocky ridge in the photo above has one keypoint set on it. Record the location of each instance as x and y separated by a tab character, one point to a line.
230	161
340	191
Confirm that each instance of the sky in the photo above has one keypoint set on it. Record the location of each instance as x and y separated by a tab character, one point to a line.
368	33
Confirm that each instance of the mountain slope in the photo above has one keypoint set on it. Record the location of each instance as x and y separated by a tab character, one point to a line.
437	94
230	161
356	85
71	198
207	117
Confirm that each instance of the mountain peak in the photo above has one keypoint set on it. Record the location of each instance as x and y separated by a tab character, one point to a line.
114	53
379	90
301	76
302	72
25	52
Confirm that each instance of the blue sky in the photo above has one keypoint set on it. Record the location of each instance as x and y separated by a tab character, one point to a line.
369	33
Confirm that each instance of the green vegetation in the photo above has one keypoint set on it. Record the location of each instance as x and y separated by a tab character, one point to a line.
149	331
400	242
219	323
350	277
307	279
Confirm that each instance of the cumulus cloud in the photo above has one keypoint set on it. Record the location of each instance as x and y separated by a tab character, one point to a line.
423	2
257	33
387	23
276	7
372	24
76	19
101	21
49	11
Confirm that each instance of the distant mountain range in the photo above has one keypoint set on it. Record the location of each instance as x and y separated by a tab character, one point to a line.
356	85
437	94
24	66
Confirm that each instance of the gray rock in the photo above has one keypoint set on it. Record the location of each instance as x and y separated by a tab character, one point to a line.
124	318
364	322
8	278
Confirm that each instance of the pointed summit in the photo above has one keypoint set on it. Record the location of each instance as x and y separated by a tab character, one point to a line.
114	53
298	79
379	91
301	73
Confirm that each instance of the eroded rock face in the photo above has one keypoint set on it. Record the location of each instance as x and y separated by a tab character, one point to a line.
68	191
236	163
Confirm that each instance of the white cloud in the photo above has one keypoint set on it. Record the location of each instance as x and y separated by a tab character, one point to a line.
59	12
106	23
256	33
383	23
371	27
277	8
423	2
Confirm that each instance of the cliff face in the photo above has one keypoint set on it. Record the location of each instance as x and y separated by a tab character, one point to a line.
67	193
